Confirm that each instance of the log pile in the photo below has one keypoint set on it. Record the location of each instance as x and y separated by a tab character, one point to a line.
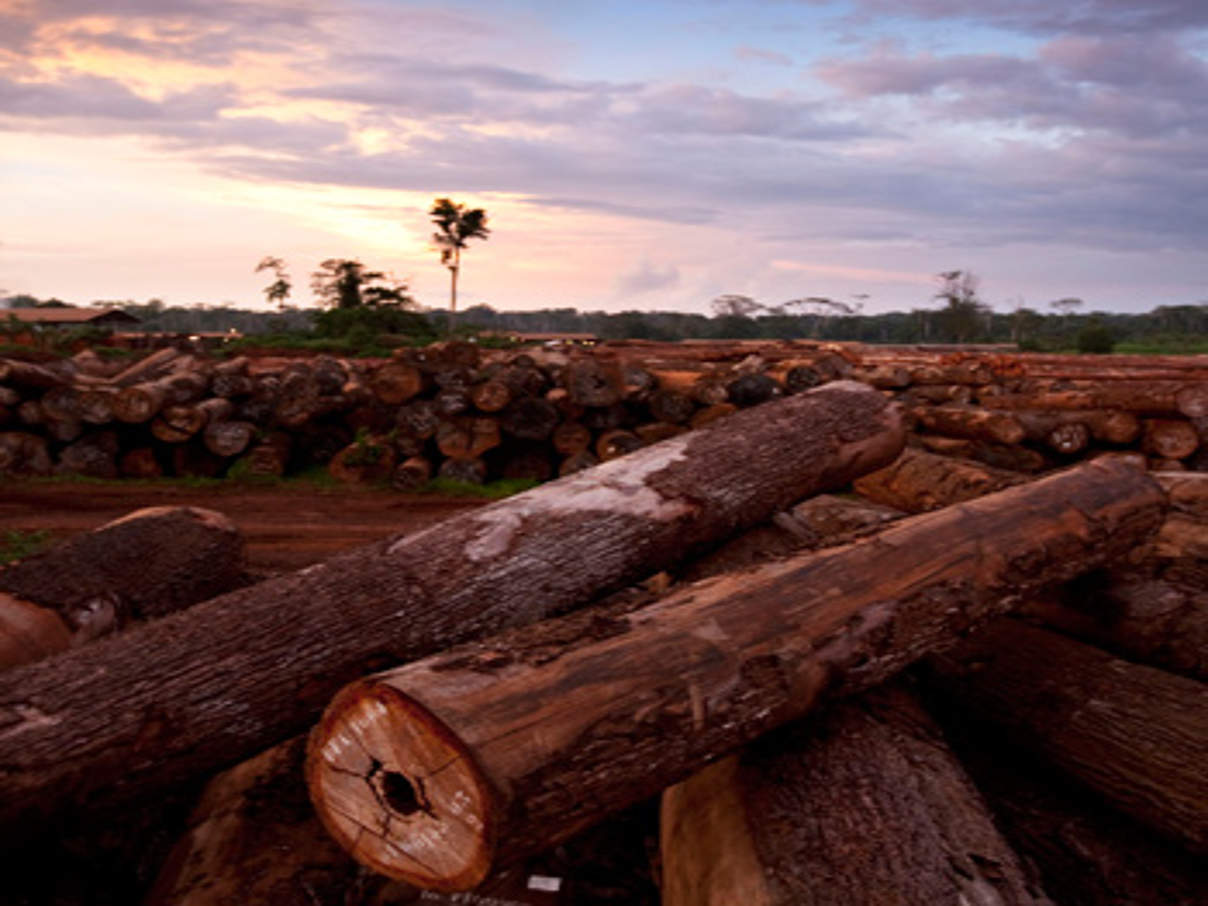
956	682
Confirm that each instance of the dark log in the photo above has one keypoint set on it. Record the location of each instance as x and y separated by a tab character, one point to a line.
1085	853
329	375
959	394
29	375
154	707
593	383
577	462
1169	439
529	463
193	460
671	406
418	419
920	481
411	474
140	462
64	431
612	444
321	442
605	418
751	389
1108	425
366	459
93	455
468	470
270	457
711	414
884	377
176	424
1012	457
147	564
529	418
30	412
153	366
494	750
637	382
864	805
96	405
22	453
1068	439
571	437
452	401
656	431
62	403
525	380
1133	734
139	403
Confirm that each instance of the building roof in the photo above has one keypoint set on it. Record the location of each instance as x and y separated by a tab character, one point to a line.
54	315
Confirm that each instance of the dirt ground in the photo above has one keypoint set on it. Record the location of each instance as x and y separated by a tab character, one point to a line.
285	527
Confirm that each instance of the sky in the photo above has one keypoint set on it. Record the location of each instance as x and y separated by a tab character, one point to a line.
646	155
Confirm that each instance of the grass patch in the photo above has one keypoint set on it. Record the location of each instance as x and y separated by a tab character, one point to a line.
16	544
1190	345
492	490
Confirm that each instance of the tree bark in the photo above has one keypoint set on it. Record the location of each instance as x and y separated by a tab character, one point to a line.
974	424
864	805
412	474
920	481
1107	425
172	710
1133	734
1012	457
495	750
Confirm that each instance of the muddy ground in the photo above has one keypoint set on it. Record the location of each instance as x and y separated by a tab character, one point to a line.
285	527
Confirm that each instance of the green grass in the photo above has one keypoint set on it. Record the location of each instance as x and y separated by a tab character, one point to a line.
1191	345
16	544
493	490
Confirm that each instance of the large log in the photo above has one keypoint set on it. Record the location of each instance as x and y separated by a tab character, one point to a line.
153	706
1141	397
918	481
1111	426
865	805
1133	734
975	424
498	749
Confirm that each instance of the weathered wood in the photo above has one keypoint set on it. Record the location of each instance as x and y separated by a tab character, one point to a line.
711	414
28	632
501	748
153	707
1012	457
468	470
570	437
1085	853
1169	439
612	444
411	474
751	389
975	424
418	419
93	455
1133	734
1143	397
490	396
918	481
396	382
228	438
365	460
1068	439
865	804
671	406
23	453
593	383
1111	426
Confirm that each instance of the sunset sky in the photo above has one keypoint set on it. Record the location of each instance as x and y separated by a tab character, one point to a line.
631	155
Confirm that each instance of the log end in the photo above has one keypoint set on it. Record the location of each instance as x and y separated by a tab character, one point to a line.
419	810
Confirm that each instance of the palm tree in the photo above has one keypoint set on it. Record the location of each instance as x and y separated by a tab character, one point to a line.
457	227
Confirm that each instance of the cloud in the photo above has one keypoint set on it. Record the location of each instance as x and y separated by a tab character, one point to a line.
1088	17
647	278
759	55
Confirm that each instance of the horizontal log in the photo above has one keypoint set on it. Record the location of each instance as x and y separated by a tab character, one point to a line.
918	481
975	424
488	752
153	707
1133	734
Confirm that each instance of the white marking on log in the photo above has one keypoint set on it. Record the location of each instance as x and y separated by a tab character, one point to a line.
31	718
615	487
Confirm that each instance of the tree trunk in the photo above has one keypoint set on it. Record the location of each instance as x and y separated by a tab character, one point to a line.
93	455
503	748
529	418
864	805
671	406
593	383
1133	734
1069	439
570	438
368	460
974	424
1107	425
490	396
154	706
270	457
22	453
920	481
1142	397
1012	457
467	470
751	390
29	375
577	462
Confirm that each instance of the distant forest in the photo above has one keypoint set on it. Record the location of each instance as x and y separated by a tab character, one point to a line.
1169	325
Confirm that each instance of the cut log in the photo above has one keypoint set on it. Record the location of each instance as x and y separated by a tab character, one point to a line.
531	463
93	455
504	748
1140	397
1012	457
656	431
612	444
270	457
467	438
152	366
577	462
1068	439
452	401
29	375
396	382
154	707
28	632
571	437
147	564
228	438
711	414
1169	439
751	390
139	403
418	419
593	383
1133	734
467	470
1110	426
62	403
866	800
671	406
1149	620
22	453
412	474
1085	853
140	462
920	481
367	459
96	405
975	424
491	396
530	418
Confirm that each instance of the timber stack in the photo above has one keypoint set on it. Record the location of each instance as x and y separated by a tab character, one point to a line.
688	675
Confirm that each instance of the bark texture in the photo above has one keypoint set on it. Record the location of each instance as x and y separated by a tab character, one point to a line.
433	771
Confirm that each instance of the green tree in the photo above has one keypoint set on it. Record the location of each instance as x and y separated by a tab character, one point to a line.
456	226
277	291
345	283
964	315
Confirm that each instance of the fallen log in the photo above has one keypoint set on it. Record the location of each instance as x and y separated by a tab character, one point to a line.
494	750
1107	425
1012	457
27	374
29	632
1133	734
864	800
1140	397
918	481
975	424
152	707
412	474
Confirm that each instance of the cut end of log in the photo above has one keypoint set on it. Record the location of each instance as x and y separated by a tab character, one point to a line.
418	809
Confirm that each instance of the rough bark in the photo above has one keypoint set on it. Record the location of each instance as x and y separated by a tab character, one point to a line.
436	770
864	805
1143	397
1012	457
530	418
975	424
412	474
1133	734
153	707
918	481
